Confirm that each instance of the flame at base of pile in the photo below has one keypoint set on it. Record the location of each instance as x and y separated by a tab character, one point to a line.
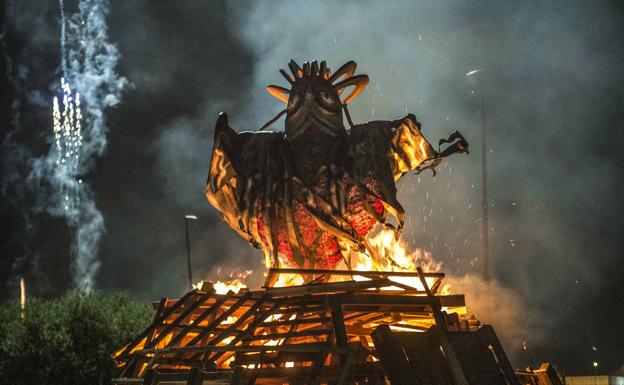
385	253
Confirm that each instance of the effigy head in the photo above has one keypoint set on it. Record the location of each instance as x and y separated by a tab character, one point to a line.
315	96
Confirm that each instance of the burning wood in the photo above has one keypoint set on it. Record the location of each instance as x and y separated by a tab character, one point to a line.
319	330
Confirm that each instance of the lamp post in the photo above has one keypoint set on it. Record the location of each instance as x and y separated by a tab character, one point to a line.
484	181
188	249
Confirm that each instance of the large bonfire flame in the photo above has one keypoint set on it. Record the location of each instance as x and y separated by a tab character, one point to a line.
386	252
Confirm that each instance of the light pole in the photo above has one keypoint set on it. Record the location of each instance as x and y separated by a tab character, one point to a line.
484	182
188	249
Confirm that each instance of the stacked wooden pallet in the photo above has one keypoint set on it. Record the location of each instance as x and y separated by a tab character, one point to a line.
318	333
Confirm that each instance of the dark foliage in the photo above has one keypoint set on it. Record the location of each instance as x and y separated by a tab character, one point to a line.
68	340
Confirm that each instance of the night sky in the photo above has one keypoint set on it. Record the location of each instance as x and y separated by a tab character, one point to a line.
554	103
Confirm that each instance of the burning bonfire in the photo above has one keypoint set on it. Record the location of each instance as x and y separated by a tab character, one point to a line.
344	302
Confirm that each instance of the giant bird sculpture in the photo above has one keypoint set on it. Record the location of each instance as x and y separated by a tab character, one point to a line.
309	193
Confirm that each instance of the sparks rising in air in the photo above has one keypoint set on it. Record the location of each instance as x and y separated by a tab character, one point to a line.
67	127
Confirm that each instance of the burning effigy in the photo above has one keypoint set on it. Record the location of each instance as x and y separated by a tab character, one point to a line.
311	193
340	304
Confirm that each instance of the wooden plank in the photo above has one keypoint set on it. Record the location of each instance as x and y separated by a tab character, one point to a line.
187	311
488	336
193	377
358	331
380	299
451	357
403	292
412	358
330	287
258	319
277	336
275	358
149	377
315	376
425	310
220	318
205	314
436	285
293	327
340	333
311	309
271	278
423	281
370	317
127	381
378	274
547	375
347	365
439	317
279	376
304	347
453	300
243	318
159	310
124	353
296	321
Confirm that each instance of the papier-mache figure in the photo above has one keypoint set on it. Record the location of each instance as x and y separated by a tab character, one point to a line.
310	193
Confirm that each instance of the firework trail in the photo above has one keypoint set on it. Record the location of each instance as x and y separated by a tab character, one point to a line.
89	85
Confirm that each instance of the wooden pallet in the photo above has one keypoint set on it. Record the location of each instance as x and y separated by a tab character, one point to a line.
318	333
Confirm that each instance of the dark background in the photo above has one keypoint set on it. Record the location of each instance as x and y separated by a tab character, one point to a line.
554	92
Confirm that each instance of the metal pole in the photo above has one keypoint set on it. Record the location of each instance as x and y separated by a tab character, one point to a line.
484	192
485	223
188	250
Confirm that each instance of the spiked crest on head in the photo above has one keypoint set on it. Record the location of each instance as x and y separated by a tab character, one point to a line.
339	81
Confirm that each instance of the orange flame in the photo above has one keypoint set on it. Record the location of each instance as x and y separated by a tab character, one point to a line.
235	284
387	252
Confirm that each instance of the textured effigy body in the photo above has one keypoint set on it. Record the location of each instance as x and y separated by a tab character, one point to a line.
309	193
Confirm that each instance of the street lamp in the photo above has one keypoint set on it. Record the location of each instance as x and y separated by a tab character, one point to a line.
188	248
484	181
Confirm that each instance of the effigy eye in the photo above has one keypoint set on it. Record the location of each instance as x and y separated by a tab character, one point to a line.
327	98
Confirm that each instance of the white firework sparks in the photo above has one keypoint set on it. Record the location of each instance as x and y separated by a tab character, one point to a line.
67	127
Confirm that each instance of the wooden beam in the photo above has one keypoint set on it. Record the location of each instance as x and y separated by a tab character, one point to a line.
423	281
340	332
304	347
243	318
176	322
159	310
205	314
249	330
277	336
296	321
161	319
330	287
220	318
380	299
379	274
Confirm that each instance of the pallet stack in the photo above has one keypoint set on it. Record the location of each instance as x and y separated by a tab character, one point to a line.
318	333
